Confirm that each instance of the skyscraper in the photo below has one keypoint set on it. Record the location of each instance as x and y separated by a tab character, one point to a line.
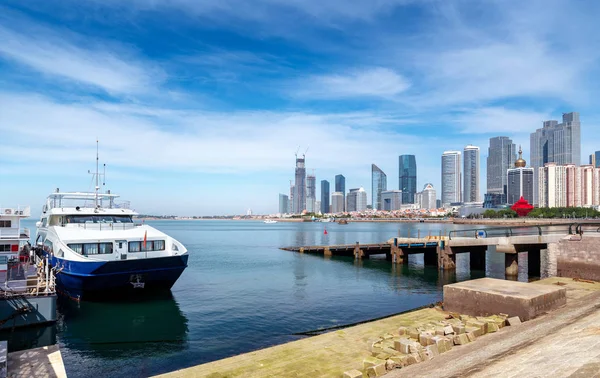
471	174
595	159
378	185
300	186
552	180
555	142
337	202
324	196
311	193
340	186
283	204
391	200
407	177
501	156
356	200
520	181
451	177
428	197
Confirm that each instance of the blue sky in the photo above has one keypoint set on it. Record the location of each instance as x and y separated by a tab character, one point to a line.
199	106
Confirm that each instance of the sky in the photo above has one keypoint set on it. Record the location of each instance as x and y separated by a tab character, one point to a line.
199	106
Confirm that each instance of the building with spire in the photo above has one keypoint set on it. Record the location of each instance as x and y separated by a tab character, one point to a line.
378	185
520	181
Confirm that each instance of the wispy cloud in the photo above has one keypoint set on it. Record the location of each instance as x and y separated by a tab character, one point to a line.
369	82
67	56
500	120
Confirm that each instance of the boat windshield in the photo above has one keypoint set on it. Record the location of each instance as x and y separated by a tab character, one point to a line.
99	219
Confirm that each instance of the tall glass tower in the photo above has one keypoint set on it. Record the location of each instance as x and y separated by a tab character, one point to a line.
340	186
324	196
311	193
408	177
471	174
300	186
451	177
378	185
502	154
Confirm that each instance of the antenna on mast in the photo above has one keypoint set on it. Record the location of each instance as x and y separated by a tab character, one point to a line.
97	187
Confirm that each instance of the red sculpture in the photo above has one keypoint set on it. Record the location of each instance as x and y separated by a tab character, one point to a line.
522	207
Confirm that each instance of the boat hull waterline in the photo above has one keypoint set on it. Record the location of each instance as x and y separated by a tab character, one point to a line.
109	279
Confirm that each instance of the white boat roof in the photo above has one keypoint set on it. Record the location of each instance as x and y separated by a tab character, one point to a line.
85	203
82	195
79	234
89	211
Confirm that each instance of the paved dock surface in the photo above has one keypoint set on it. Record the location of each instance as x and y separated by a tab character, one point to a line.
563	343
39	362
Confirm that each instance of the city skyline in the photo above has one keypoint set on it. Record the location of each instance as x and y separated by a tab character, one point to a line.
191	101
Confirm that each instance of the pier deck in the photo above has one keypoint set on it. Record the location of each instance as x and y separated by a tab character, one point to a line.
39	362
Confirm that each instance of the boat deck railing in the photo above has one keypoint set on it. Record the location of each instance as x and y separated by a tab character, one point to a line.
100	226
32	278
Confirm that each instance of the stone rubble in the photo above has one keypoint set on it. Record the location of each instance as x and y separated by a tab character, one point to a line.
412	345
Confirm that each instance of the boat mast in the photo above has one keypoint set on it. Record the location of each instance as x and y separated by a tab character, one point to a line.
97	187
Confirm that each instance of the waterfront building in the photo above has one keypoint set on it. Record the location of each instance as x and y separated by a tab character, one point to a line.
428	197
300	185
569	185
284	205
493	200
555	142
451	177
291	199
340	186
438	203
502	154
520	181
391	200
407	178
552	191
325	196
337	202
595	159
311	193
356	200
378	185
318	207
471	174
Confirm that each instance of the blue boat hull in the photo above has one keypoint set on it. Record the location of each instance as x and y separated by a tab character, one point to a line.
110	279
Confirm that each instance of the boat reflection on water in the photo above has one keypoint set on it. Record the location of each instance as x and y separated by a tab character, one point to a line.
146	326
29	337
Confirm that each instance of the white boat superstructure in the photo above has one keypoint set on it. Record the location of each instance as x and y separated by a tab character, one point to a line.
13	238
270	221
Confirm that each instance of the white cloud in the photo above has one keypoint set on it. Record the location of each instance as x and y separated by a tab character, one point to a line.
70	57
370	82
500	120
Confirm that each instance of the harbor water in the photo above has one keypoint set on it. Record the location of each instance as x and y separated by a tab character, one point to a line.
240	292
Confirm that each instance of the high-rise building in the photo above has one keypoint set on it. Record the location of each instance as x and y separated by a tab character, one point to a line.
427	197
501	156
324	196
595	159
391	200
283	203
520	181
555	142
552	185
356	200
291	200
407	177
471	174
451	177
300	186
337	202
318	207
569	185
311	193
340	186
378	185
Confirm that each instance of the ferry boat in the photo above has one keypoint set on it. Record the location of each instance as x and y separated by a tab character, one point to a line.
98	251
270	221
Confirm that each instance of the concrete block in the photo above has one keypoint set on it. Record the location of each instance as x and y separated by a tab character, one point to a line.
425	338
448	330
461	339
414	333
376	370
513	321
402	345
352	374
374	344
471	335
440	331
399	360
411	359
372	361
449	343
459	328
432	351
440	343
414	347
383	356
491	327
486	296
475	330
391	365
390	351
417	357
402	331
388	336
476	324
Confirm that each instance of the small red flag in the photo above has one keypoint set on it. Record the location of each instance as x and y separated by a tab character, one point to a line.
145	235
325	232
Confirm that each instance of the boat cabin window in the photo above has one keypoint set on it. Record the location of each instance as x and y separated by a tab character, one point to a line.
98	219
54	220
151	245
88	249
5	223
48	247
4	247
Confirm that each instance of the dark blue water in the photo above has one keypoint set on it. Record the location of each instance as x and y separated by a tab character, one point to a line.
241	292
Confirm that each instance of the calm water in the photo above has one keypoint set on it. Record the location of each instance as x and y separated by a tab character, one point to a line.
240	293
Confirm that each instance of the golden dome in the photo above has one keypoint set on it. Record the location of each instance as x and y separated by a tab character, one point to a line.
520	163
